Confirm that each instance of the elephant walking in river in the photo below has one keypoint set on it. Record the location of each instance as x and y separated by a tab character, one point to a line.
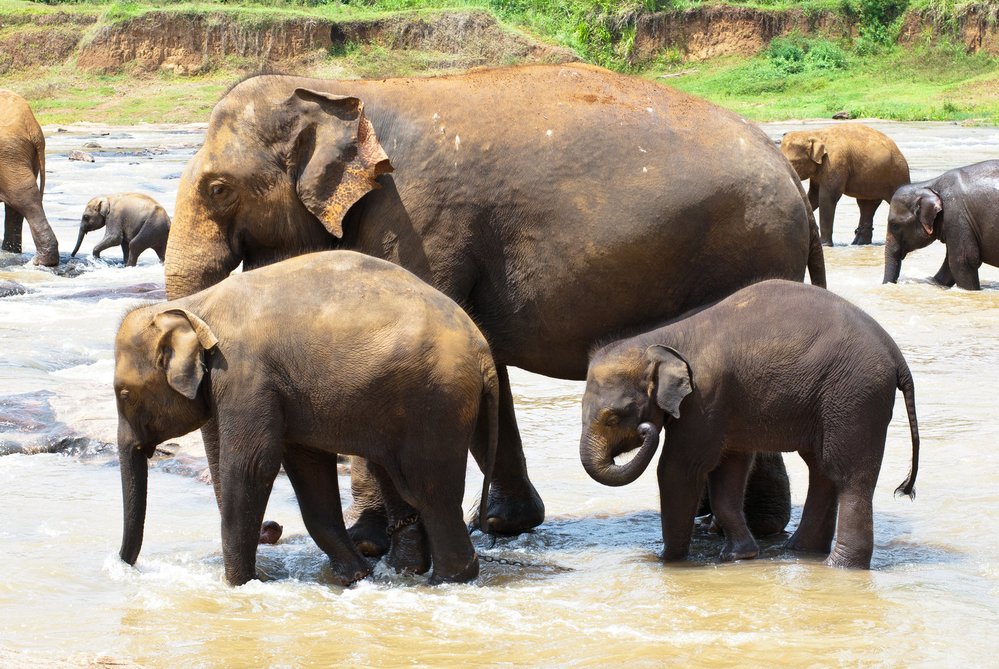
22	179
557	204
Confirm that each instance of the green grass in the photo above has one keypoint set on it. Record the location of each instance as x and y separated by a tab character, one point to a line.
795	78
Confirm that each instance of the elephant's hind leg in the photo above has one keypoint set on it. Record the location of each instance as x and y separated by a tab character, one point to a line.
818	518
368	509
408	552
313	475
865	229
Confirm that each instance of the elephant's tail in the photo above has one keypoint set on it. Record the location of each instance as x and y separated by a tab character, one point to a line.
40	149
908	486
490	402
816	259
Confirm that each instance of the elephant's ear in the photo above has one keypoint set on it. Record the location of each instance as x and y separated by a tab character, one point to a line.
930	207
670	378
336	155
104	206
183	339
816	150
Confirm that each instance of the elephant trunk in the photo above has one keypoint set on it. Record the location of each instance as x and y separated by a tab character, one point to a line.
197	253
134	477
894	254
79	240
598	460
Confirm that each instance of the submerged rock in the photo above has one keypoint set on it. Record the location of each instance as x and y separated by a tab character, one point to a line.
8	288
28	425
82	156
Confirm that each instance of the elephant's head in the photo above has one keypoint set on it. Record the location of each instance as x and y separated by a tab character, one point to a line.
94	218
159	366
804	151
913	222
628	395
279	169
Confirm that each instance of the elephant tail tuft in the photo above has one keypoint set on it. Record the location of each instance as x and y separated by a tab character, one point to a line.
908	487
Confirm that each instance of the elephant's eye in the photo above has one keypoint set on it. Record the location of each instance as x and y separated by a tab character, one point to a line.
124	394
217	189
610	417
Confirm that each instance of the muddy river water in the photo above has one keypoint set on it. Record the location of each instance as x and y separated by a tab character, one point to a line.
584	589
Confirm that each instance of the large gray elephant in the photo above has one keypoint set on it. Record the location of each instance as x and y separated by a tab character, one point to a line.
134	221
959	209
777	366
22	179
557	204
365	360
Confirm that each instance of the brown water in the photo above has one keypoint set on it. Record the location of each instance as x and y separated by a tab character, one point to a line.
590	591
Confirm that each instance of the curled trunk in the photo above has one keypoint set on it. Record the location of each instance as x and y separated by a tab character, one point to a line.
134	477
598	461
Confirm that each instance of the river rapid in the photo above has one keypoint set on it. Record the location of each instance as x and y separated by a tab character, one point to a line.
584	589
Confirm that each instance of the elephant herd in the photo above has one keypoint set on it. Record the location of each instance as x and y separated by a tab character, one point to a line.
404	241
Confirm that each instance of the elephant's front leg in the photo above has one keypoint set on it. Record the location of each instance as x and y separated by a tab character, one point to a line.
726	486
514	503
110	239
964	258
12	226
314	477
679	493
248	465
828	198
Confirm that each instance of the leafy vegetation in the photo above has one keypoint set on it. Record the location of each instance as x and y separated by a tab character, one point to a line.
865	73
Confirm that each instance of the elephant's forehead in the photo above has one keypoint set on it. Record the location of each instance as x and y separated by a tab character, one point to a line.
613	372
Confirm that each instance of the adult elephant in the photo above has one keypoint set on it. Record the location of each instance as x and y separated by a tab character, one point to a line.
850	159
958	208
22	179
557	204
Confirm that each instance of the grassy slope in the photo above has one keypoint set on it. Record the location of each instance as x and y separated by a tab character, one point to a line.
924	82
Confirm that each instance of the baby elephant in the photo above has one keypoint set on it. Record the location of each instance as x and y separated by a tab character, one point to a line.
958	208
135	221
777	366
293	363
849	159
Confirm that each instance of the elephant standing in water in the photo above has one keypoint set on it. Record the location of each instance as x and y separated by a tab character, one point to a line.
776	366
850	159
557	204
134	221
958	208
22	162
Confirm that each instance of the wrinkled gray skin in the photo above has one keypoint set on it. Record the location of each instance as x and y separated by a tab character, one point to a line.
22	179
777	366
134	221
961	209
557	204
366	360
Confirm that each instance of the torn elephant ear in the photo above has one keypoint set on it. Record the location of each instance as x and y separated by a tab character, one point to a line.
337	154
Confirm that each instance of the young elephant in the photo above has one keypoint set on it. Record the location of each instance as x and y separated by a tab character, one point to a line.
850	159
958	208
777	366
293	363
135	221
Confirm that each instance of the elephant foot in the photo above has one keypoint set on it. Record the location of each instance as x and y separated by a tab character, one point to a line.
863	236
469	572
745	550
801	544
46	259
346	575
512	512
409	553
369	534
848	560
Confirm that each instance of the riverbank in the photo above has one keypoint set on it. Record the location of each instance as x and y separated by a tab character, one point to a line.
133	62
